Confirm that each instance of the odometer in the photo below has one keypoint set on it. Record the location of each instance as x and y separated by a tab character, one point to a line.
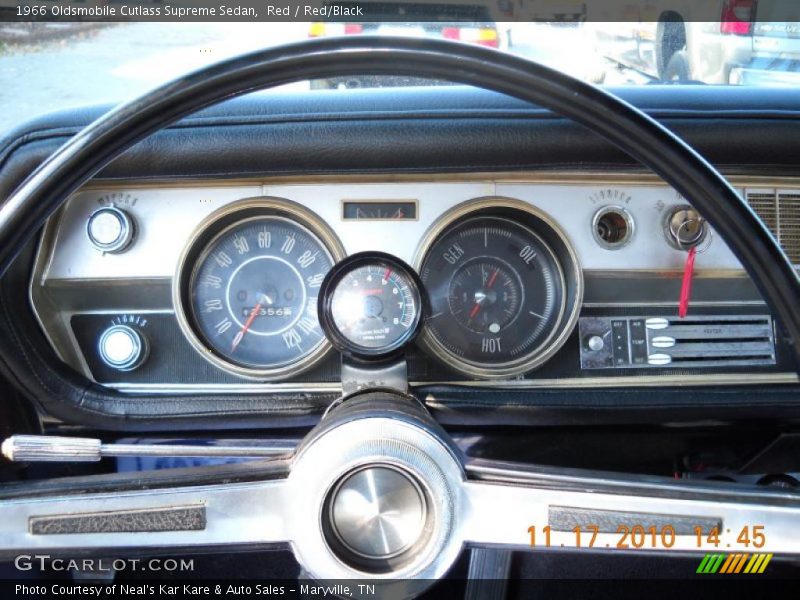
498	293
252	294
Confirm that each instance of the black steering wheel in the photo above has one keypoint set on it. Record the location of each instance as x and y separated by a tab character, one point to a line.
264	504
620	123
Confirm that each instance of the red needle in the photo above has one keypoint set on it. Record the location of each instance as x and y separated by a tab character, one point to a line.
251	317
477	308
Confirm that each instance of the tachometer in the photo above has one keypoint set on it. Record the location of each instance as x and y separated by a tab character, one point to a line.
499	292
249	296
371	305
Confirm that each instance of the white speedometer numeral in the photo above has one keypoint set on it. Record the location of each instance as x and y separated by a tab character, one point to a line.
314	281
212	281
307	258
223	259
212	305
241	245
292	338
307	325
288	244
223	326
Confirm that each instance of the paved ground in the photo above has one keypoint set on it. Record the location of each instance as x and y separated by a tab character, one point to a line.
120	61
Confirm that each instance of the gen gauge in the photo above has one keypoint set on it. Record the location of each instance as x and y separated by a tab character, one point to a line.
371	305
503	287
248	285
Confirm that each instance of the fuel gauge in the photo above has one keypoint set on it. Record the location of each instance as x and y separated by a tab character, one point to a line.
371	305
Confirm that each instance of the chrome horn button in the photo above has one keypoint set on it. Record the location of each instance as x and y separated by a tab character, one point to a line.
378	512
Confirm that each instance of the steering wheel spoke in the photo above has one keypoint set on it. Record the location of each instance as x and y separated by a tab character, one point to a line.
153	516
524	506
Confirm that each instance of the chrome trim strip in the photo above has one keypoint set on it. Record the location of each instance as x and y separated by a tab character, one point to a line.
725	379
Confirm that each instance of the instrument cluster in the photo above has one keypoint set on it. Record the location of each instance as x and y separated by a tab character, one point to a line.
261	292
253	287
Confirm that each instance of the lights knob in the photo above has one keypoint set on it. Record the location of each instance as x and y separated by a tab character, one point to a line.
122	347
110	229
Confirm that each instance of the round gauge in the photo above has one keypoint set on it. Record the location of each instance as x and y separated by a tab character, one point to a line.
251	293
498	293
371	305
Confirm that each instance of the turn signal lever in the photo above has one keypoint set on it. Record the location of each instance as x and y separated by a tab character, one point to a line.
44	448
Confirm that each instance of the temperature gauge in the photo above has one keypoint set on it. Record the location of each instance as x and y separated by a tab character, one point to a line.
371	305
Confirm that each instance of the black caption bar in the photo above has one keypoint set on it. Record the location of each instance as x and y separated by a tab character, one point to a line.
693	586
371	11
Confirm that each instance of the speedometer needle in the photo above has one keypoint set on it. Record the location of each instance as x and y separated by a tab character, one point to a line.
250	318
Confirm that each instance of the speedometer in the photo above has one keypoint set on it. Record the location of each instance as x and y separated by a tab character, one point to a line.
248	291
503	288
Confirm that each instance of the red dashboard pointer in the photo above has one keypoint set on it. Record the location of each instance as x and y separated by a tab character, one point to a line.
251	317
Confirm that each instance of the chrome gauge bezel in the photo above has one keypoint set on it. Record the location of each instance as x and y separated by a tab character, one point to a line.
571	276
216	225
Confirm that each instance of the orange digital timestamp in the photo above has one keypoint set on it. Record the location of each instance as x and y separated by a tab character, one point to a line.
651	537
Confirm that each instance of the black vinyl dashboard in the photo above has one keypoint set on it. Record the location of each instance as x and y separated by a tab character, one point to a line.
559	259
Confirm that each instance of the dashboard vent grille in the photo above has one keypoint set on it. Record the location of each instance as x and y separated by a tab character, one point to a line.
789	224
779	210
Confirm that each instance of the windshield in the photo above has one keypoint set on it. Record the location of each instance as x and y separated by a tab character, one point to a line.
46	66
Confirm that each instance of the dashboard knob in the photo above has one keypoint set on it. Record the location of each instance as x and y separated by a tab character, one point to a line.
110	229
595	343
122	347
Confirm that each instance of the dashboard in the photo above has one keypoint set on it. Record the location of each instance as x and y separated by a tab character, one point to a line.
546	263
566	280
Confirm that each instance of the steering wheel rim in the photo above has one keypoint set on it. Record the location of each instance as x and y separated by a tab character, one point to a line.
259	512
625	126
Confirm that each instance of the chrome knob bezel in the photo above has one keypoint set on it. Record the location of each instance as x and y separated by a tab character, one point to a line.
126	234
139	348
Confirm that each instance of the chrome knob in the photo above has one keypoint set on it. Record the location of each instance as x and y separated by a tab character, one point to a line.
378	512
122	347
595	343
110	229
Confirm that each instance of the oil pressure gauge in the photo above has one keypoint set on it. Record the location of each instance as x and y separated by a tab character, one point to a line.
370	305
